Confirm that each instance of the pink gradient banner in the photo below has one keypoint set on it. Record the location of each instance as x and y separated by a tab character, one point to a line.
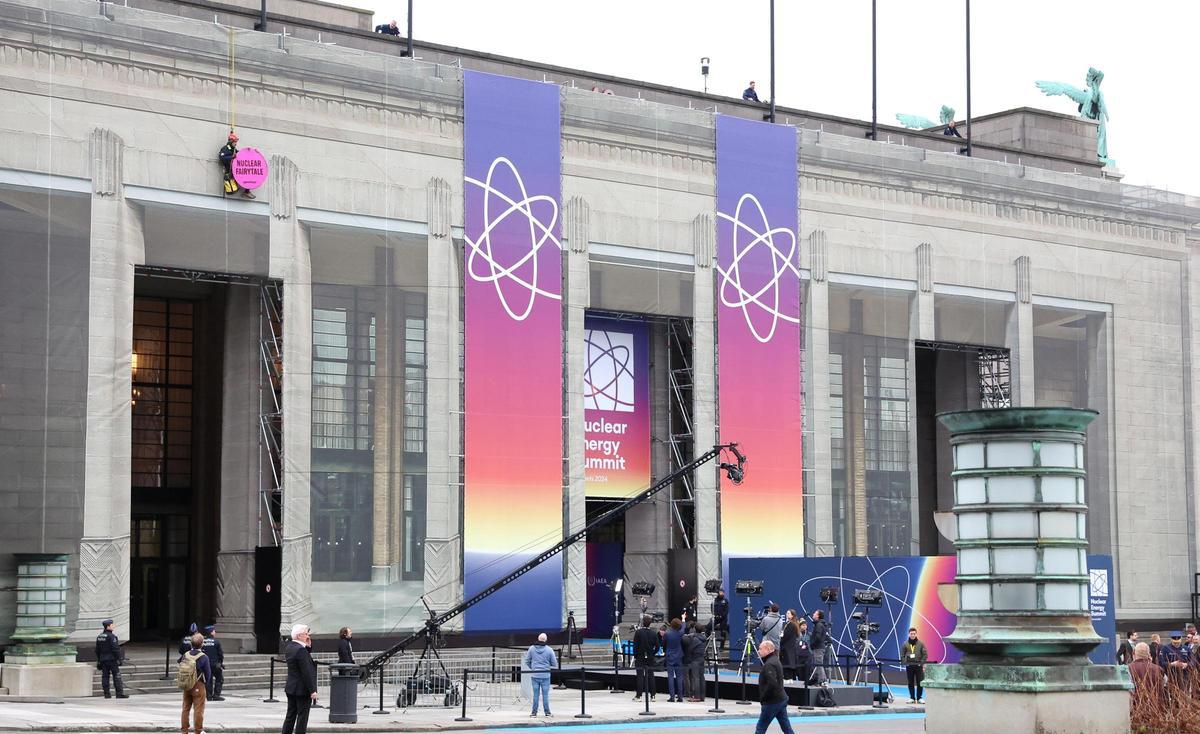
616	407
758	328
512	500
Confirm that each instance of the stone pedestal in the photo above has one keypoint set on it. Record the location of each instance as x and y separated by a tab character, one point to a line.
65	680
1085	699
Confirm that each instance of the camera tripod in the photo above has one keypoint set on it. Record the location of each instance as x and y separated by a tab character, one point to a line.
748	649
574	639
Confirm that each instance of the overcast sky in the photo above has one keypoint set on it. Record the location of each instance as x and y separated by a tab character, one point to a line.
1146	49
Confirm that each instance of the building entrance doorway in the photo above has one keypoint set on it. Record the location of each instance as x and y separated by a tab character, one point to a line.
178	340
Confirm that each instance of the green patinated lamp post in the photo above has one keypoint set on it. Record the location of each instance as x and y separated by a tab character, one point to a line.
41	611
1024	625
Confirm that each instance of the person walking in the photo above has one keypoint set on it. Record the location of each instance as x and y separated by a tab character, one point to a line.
789	646
301	686
771	693
771	625
915	656
345	648
540	660
673	646
695	646
645	645
193	678
1125	650
108	659
216	660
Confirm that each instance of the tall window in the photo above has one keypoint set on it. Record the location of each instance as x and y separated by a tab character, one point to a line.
162	393
343	369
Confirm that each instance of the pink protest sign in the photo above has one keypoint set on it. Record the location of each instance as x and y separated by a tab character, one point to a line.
250	168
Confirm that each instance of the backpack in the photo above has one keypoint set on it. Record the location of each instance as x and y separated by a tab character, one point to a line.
188	673
824	698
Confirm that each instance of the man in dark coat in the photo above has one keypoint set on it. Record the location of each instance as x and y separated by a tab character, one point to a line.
1125	649
694	643
216	657
645	646
108	660
345	648
720	621
301	687
771	693
750	94
915	655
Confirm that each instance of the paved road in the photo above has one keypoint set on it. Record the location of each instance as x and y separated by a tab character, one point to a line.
860	724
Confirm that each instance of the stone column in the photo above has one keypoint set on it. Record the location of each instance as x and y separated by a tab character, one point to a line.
576	225
821	461
922	326
1019	339
388	456
704	406
117	245
239	470
291	262
443	507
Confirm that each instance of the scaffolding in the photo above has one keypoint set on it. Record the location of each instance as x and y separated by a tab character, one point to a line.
995	377
681	439
270	409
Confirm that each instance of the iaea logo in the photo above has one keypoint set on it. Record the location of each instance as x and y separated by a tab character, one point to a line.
608	376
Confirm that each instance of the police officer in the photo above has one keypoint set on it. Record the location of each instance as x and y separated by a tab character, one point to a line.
185	644
108	657
1175	659
216	656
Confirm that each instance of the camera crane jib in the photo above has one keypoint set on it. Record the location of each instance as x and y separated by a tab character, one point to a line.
431	630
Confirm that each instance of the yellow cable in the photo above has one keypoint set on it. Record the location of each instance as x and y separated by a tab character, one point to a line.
232	73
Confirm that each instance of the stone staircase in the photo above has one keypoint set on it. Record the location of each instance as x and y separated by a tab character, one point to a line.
144	674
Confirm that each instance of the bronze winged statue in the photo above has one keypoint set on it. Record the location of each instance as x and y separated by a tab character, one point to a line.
1091	106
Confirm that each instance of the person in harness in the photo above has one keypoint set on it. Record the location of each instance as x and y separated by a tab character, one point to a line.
226	155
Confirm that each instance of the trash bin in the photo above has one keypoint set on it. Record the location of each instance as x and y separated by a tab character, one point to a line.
343	693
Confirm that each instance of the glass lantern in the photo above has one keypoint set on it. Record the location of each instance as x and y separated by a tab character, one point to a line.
1020	522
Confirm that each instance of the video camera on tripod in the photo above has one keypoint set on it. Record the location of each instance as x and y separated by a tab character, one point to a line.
865	626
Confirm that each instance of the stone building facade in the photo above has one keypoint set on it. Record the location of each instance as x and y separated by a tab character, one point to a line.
931	279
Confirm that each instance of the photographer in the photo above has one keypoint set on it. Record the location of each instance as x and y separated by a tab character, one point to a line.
915	655
771	626
821	645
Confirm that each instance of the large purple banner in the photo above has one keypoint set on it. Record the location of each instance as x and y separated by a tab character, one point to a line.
758	327
512	500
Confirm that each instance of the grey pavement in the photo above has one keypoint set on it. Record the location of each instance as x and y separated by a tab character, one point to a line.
242	712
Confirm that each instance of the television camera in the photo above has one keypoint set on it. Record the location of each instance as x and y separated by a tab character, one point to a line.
865	626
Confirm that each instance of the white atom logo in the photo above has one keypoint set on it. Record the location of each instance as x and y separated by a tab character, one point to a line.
608	378
759	301
482	263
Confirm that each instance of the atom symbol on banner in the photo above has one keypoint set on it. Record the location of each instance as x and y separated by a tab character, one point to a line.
608	378
759	299
482	264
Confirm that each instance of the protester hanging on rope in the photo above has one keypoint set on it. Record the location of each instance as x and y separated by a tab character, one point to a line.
226	155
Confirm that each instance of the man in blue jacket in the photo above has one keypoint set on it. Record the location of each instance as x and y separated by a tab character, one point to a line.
540	659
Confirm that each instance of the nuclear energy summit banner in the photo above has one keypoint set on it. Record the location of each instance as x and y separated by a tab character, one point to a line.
758	327
616	407
512	500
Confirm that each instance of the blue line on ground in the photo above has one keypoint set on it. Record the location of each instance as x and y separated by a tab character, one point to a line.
796	720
